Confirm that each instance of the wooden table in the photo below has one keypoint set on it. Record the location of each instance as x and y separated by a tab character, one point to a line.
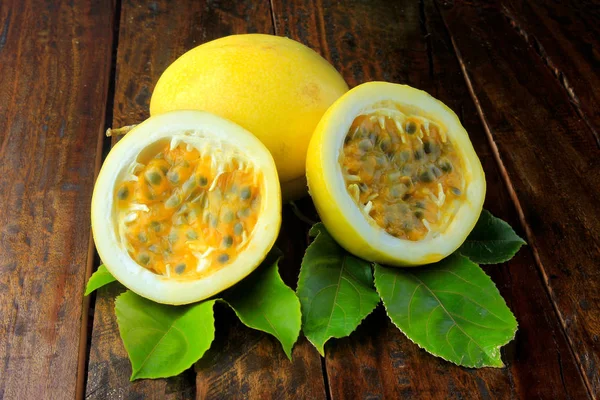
522	76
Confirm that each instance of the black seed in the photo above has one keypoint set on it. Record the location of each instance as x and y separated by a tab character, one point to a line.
404	155
192	235
445	165
180	268
238	229
142	237
373	137
456	191
153	177
398	190
363	187
419	154
227	241
419	214
427	147
172	237
427	177
385	144
153	248
406	197
420	204
223	258
164	169
381	160
436	171
202	180
411	127
155	226
143	259
123	193
365	145
406	170
245	193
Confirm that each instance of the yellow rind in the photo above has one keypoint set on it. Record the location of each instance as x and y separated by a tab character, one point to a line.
341	215
157	287
273	86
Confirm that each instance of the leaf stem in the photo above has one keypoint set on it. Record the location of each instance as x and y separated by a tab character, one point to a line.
300	215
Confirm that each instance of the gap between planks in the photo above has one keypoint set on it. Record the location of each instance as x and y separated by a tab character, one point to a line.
102	147
515	200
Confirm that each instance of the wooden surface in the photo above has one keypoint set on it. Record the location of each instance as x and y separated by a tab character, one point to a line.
522	76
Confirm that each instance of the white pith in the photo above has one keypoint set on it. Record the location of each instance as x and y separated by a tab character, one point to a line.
206	132
340	119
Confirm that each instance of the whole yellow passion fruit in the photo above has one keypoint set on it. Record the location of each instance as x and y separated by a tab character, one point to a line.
185	205
273	86
394	176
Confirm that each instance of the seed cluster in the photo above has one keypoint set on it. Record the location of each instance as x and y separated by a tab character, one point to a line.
403	172
187	211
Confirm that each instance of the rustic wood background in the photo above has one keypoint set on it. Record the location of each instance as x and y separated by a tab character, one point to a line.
523	77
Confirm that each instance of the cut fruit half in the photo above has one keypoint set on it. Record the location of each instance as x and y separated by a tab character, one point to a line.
394	176
185	205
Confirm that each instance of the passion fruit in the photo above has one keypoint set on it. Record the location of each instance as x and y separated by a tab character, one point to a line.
273	86
185	205
394	176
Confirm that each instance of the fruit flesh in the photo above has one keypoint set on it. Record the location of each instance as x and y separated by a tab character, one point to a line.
184	213
403	172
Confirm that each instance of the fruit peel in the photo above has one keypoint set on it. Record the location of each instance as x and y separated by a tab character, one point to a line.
273	86
341	216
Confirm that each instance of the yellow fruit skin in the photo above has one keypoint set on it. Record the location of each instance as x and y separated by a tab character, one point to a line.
340	214
275	87
190	127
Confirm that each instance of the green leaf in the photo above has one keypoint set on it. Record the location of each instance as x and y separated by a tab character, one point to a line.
163	340
492	241
98	279
451	308
335	290
262	301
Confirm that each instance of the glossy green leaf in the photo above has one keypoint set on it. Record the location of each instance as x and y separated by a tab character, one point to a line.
163	340
492	241
262	301
98	279
335	290
451	308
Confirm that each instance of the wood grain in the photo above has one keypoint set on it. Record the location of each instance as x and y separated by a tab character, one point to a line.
54	71
247	364
408	43
242	362
550	159
566	35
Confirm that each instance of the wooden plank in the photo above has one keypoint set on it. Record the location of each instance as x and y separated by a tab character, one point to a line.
566	34
54	71
246	364
408	43
151	37
550	159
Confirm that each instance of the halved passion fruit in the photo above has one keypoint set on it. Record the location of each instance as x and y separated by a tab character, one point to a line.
394	176
185	205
